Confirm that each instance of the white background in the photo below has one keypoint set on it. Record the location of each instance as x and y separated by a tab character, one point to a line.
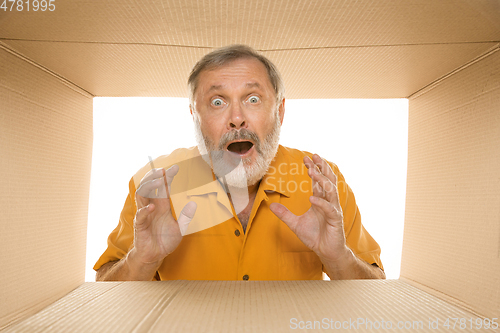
367	139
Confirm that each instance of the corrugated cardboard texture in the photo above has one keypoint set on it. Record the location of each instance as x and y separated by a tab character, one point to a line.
46	147
149	70
238	306
325	49
452	226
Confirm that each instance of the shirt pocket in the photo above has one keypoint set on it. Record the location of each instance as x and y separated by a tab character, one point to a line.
300	266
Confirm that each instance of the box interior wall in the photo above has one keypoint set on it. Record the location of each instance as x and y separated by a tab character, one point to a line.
49	75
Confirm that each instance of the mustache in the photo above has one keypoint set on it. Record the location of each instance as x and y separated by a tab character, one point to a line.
241	134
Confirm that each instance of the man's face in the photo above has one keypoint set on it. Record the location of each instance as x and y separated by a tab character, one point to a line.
237	114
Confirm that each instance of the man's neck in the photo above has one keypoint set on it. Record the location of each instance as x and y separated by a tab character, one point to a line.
242	200
252	190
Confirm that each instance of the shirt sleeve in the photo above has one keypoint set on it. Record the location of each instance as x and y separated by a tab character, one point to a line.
358	239
121	239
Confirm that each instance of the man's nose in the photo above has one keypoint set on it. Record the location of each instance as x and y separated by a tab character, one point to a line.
236	117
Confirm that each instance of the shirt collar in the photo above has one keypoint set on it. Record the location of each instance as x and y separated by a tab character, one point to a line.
276	179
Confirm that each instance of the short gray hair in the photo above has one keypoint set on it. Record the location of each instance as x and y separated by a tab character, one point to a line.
227	54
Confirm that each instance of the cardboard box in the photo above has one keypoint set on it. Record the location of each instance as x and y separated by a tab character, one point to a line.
442	55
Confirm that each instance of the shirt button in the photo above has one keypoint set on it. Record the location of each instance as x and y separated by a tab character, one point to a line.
237	232
246	277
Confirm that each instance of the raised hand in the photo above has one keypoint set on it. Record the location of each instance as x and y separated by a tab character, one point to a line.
321	228
156	232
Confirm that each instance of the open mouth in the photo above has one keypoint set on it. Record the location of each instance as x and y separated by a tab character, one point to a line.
240	147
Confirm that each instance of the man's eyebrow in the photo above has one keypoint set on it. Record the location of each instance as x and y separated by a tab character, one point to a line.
253	85
220	86
215	87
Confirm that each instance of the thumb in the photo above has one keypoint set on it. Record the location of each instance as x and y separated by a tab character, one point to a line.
284	215
186	216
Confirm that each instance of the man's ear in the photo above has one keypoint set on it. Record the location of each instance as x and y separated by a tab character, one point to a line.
281	110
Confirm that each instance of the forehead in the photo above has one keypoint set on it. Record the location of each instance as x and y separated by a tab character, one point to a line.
244	72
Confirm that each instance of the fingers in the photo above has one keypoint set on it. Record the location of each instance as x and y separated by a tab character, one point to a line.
319	164
284	215
186	216
170	174
327	187
326	184
317	189
331	212
157	182
152	174
323	176
324	167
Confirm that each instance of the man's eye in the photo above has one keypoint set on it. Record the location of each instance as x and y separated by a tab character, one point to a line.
217	102
254	99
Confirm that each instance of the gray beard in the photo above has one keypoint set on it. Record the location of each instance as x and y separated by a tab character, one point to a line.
238	172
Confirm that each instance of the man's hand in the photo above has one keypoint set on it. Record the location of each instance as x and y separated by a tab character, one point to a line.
156	232
321	228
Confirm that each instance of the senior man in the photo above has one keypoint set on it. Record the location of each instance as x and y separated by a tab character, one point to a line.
239	206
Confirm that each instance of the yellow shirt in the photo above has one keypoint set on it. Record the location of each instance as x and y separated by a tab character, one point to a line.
216	248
